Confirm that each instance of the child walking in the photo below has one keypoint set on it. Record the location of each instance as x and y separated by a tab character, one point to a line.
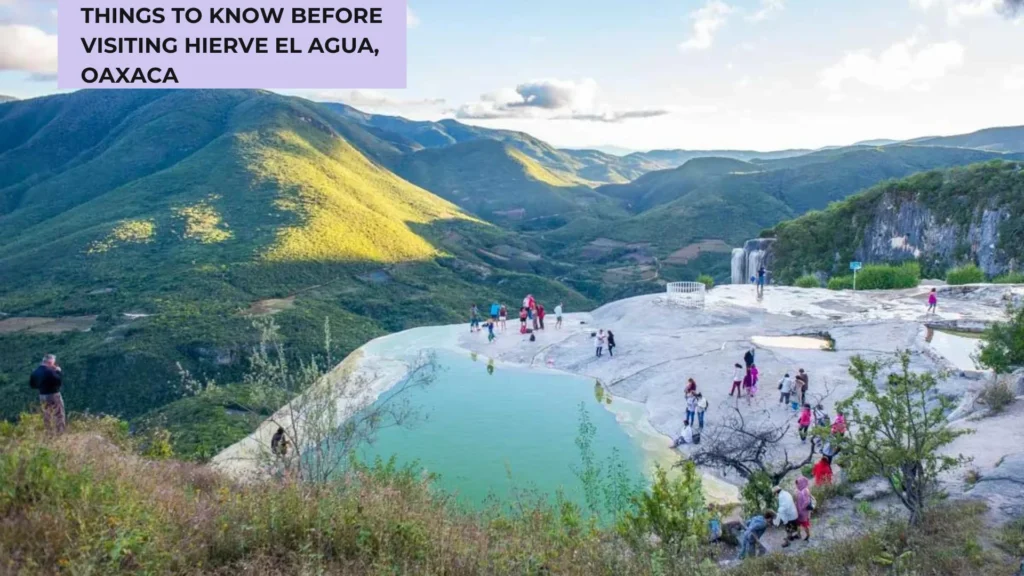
933	301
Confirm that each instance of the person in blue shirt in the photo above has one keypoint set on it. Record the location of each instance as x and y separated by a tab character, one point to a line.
753	532
761	273
495	308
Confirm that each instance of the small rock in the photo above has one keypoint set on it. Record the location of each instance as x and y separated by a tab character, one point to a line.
872	489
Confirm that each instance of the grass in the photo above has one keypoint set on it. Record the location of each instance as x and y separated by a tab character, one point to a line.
969	274
998	395
948	542
98	501
1010	278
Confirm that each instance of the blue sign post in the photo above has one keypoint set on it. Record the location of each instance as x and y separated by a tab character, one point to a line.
855	266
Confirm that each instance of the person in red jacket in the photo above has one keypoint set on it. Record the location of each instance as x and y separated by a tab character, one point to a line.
804	422
540	315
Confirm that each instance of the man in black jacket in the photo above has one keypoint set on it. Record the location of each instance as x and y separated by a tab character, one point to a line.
47	379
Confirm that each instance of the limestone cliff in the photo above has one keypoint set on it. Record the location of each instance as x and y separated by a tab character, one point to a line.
941	219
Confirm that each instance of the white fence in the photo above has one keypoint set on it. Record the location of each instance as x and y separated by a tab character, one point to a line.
685	294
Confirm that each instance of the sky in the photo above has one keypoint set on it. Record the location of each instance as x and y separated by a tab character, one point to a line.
694	74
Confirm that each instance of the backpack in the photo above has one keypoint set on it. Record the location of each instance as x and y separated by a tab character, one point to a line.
696	437
812	504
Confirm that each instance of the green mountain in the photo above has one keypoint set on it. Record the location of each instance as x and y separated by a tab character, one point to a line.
145	229
585	167
709	205
941	218
500	183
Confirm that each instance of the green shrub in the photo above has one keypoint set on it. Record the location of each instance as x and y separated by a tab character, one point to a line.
1002	348
756	495
888	277
706	281
808	281
998	395
969	274
840	283
1010	278
673	509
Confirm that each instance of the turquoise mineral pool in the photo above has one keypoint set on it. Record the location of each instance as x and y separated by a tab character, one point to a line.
490	429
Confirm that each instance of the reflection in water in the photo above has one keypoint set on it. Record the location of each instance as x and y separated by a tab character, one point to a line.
490	366
472	356
602	396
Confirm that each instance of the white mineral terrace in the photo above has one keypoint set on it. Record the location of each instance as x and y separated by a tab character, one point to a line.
660	345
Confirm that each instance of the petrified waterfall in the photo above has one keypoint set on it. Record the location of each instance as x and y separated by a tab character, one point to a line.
739	266
746	260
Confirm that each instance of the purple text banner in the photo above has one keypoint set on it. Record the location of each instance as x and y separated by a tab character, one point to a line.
285	44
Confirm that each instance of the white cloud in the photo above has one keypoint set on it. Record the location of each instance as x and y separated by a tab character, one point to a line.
373	99
28	49
706	23
1014	80
551	99
411	19
902	65
768	7
959	10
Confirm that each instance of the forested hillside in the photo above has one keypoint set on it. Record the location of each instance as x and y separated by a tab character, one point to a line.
941	218
143	230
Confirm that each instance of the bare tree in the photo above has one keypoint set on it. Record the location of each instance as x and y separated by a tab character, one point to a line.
753	443
326	411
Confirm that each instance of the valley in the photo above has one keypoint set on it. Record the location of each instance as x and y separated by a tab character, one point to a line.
172	220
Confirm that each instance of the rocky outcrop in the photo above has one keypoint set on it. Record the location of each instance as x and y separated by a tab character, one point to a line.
747	260
907	230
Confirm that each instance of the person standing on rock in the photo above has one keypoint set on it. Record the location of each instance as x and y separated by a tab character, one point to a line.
839	426
785	389
737	381
761	273
754	377
599	339
522	320
802	382
804	506
558	316
748	358
502	317
702	407
47	379
540	315
611	343
748	384
804	422
752	533
691	387
474	319
933	301
691	408
787	515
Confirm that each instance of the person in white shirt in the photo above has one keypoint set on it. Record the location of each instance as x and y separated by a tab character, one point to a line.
691	408
737	381
785	389
787	514
599	342
558	316
702	406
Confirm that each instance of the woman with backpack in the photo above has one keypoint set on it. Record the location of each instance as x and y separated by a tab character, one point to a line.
804	507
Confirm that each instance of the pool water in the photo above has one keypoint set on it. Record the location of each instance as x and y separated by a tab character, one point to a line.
491	429
794	342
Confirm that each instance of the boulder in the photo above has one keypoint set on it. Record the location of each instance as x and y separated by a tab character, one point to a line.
1003	487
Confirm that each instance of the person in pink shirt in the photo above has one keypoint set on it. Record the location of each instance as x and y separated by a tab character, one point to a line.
804	421
839	426
803	507
933	301
754	377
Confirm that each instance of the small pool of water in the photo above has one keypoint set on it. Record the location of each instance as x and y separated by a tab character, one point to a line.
958	349
794	342
490	429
